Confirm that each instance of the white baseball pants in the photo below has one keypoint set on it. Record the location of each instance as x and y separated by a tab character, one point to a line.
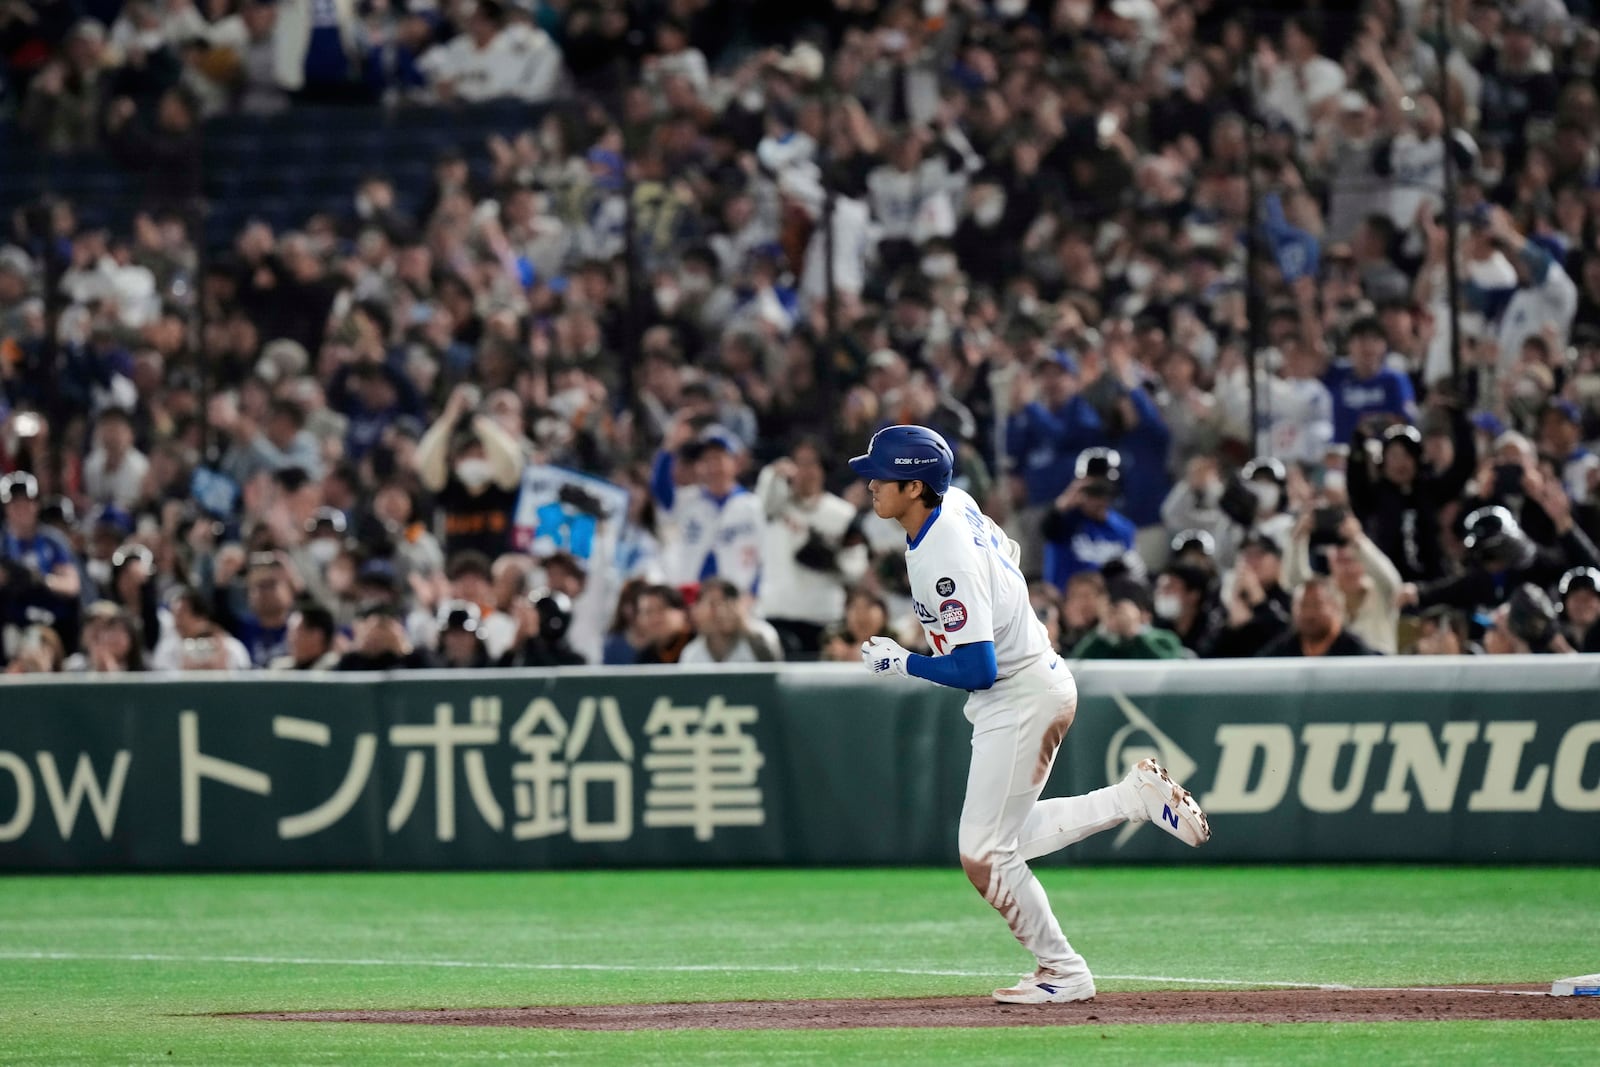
1018	727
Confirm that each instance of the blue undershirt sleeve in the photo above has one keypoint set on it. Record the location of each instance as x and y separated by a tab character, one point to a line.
662	486
970	666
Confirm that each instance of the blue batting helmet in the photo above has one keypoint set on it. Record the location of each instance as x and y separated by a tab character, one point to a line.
907	453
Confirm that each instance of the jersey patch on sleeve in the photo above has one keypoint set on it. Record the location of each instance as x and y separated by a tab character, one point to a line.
952	615
944	586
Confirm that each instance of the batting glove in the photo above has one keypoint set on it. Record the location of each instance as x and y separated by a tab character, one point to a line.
884	656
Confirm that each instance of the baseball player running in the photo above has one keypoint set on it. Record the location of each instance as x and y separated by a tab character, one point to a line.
973	603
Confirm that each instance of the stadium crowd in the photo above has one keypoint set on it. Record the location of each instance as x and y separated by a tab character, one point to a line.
1041	228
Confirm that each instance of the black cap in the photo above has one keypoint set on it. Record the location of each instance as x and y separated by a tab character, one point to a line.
1197	579
1265	466
1367	324
1406	436
379	607
459	615
18	484
1493	536
1190	540
1102	464
1578	579
1130	590
1263	542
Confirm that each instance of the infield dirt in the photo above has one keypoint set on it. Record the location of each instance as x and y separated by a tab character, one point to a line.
1256	1006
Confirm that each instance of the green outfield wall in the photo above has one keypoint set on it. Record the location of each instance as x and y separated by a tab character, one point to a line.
1470	760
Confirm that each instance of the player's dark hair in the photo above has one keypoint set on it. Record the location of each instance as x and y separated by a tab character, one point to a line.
929	498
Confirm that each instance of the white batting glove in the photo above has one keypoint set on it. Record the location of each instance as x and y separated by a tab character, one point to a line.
884	656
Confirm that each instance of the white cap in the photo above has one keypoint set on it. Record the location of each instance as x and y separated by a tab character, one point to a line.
1136	10
803	61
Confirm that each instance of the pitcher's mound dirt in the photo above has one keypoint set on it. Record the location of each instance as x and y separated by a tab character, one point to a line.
1269	1006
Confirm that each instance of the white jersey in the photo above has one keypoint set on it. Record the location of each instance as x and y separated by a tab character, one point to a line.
967	588
714	538
1299	420
788	590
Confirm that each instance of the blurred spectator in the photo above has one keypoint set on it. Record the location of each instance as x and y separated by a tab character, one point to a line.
66	97
473	468
725	631
1442	631
1526	623
664	623
114	471
1500	556
1318	624
1256	604
318	50
1126	632
718	524
496	57
544	618
1399	494
1043	440
40	580
1330	541
1363	386
1579	590
806	565
311	641
192	640
1082	531
263	627
39	651
167	154
380	642
1082	608
626	638
1182	603
110	642
461	643
1298	85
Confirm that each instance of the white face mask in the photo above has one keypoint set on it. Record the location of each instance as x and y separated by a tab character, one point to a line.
667	299
988	211
694	284
323	550
940	266
1266	495
1168	605
99	571
474	472
1334	480
1140	274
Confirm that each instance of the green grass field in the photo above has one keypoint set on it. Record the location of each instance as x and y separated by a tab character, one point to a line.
127	969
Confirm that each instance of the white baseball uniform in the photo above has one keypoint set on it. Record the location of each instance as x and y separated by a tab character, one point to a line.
967	589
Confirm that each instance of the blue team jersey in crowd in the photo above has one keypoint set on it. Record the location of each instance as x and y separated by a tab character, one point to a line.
1090	545
1388	392
264	643
1045	444
43	552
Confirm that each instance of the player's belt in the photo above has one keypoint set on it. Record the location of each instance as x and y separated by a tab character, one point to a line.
1026	664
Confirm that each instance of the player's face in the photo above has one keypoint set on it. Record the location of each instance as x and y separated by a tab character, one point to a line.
890	499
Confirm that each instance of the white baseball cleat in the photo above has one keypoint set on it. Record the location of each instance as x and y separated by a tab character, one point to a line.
1047	987
1168	804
